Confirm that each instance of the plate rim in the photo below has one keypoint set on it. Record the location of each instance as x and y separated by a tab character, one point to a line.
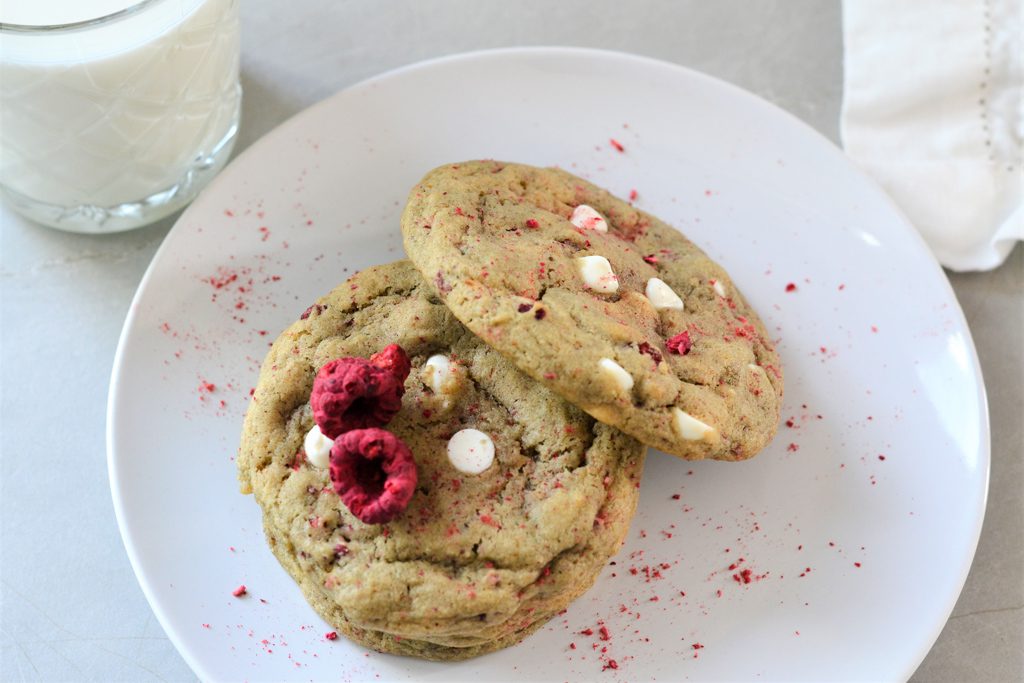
553	51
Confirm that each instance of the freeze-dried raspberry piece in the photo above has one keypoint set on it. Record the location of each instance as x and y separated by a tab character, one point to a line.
374	473
393	359
679	344
350	393
649	350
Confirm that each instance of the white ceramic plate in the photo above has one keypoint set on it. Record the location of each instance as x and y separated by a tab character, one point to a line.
855	561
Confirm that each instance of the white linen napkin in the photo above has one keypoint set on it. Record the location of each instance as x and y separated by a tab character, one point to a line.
932	109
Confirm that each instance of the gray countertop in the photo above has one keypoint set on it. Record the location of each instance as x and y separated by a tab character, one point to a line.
71	608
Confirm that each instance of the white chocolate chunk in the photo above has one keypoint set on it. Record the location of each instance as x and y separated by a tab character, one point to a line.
718	287
690	428
317	448
618	375
755	368
597	274
586	217
661	295
470	451
440	375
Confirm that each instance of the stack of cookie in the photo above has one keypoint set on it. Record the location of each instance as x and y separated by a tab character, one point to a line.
447	450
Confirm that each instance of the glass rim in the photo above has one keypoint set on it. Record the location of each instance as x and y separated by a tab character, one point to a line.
78	25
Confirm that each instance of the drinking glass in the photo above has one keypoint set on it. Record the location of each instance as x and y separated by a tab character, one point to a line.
110	120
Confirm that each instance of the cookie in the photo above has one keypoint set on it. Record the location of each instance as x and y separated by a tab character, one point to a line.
491	544
606	305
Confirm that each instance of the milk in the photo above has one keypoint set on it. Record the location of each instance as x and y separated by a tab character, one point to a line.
129	109
56	12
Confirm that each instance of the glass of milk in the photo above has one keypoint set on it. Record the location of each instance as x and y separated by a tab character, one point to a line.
114	113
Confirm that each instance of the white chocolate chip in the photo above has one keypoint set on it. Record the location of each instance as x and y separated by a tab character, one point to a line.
586	217
440	374
622	379
661	295
317	448
689	427
597	274
754	368
470	451
718	287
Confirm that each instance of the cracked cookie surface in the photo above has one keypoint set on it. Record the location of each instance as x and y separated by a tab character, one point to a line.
477	561
608	306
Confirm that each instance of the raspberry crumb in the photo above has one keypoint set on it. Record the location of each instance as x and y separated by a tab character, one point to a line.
240	591
633	194
532	223
745	576
331	635
680	344
697	646
617	145
651	258
792	448
649	350
791	287
490	521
